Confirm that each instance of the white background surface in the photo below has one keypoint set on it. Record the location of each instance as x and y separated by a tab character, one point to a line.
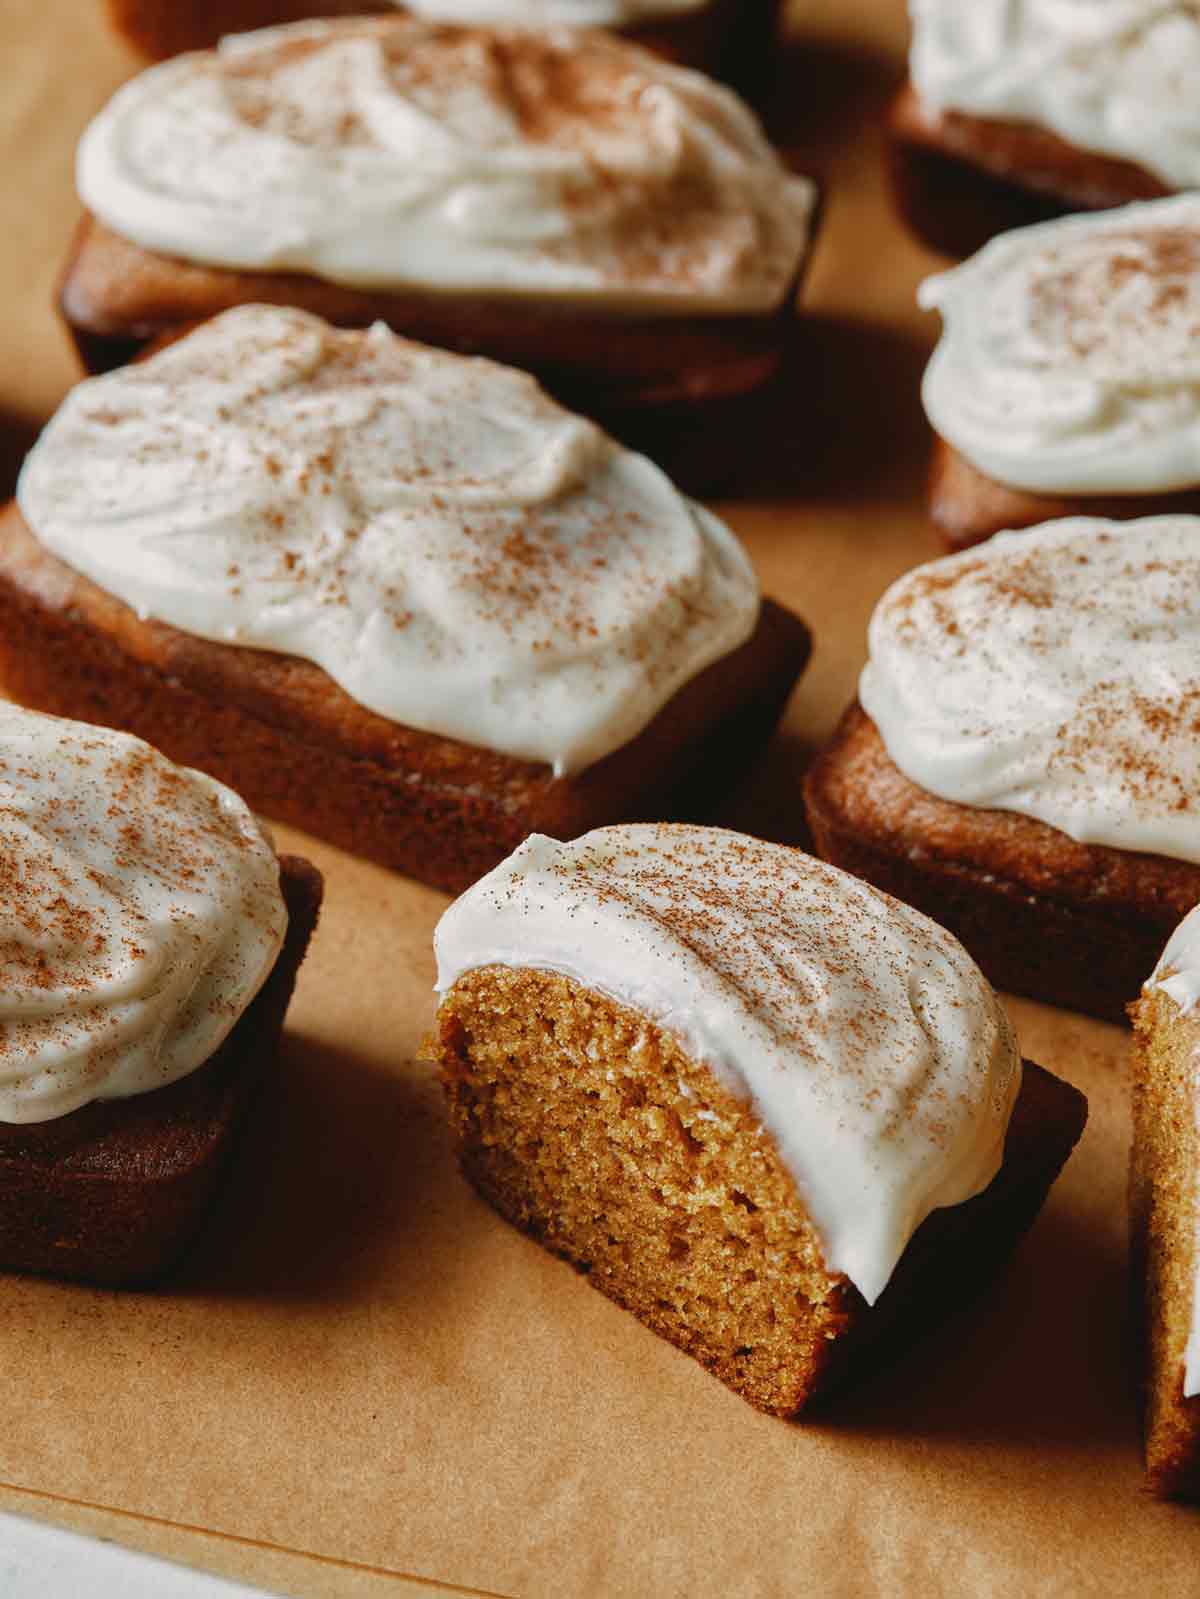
40	1562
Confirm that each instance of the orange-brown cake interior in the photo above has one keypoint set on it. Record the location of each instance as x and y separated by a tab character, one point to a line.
1163	1220
613	1148
589	1127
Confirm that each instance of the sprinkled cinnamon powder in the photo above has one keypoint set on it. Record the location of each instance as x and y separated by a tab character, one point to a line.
862	1035
1129	298
456	550
1054	672
558	160
136	905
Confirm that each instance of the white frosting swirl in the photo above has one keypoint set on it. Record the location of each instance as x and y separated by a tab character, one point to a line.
1056	673
458	552
1069	362
1113	76
1178	976
395	152
864	1036
140	915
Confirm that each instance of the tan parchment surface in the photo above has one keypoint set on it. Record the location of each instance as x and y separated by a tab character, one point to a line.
365	1384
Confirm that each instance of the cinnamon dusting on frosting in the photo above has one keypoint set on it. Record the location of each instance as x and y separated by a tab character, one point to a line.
1068	362
1124	300
457	551
1113	77
870	1046
1054	672
380	152
139	914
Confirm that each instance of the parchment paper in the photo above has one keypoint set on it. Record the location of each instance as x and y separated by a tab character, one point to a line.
363	1383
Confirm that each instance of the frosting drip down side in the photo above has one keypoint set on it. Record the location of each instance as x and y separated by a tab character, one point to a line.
868	1043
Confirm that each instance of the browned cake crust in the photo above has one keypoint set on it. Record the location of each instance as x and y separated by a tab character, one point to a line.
160	28
960	179
726	38
113	1192
286	737
591	1129
118	297
968	507
1162	1216
1074	924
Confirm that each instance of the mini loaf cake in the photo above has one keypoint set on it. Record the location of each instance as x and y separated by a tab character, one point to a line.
1018	110
761	1105
1164	1224
151	944
1024	765
560	200
394	596
729	38
1067	380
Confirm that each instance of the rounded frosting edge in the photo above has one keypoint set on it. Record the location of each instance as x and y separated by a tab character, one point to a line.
1051	672
886	1078
590	171
459	553
1066	362
141	916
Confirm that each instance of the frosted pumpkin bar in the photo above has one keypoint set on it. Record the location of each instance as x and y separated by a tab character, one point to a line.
763	1106
392	595
1065	382
1018	110
1022	763
151	942
560	200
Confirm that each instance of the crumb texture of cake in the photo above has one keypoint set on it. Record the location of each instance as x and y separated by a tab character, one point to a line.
398	151
1067	362
1110	76
460	554
1165	1214
1052	673
141	915
728	1081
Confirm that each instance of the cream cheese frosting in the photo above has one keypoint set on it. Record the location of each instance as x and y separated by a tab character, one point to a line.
398	152
1056	673
458	552
1112	76
867	1041
140	914
1069	361
1178	976
1178	971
